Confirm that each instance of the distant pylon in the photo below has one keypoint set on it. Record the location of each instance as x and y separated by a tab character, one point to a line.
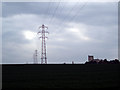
43	48
35	57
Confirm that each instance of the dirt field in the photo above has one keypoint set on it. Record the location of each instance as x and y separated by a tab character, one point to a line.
76	76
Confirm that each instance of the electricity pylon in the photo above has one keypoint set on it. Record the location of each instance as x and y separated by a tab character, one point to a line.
35	57
43	47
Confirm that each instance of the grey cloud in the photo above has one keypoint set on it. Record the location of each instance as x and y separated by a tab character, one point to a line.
11	8
16	37
98	20
97	14
90	14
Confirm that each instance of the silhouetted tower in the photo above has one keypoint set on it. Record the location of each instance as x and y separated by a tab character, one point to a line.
35	57
43	48
72	62
90	58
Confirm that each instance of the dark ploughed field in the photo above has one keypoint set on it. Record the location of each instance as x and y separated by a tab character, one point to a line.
59	76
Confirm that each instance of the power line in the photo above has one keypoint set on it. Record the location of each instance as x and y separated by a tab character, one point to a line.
47	10
76	14
54	12
65	17
60	9
70	11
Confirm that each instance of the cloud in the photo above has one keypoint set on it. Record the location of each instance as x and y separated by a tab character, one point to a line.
93	31
29	35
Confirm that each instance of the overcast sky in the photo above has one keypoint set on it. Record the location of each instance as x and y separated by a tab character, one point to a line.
77	29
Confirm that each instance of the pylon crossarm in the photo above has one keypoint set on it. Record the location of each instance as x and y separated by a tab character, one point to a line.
40	27
39	32
40	37
46	27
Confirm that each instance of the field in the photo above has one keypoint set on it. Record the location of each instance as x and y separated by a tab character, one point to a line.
76	76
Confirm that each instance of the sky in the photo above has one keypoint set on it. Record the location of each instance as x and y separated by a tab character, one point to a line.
76	30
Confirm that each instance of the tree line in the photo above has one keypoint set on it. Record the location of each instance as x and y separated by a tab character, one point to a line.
116	61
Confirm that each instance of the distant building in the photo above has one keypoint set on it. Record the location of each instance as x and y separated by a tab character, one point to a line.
72	62
90	58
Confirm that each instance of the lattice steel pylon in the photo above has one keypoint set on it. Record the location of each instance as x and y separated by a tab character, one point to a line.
35	57
43	47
